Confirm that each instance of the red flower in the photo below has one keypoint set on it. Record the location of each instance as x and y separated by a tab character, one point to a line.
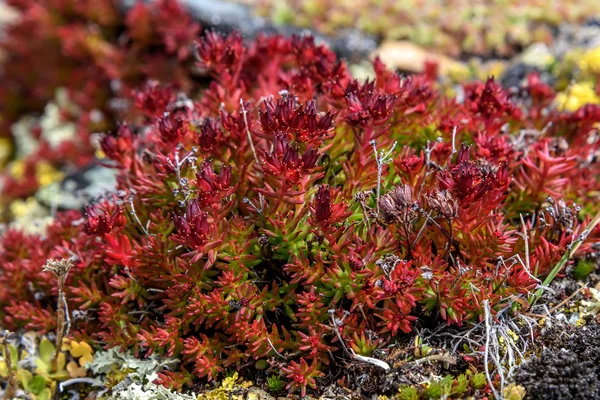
221	53
210	135
193	227
326	212
302	375
100	222
366	106
153	99
285	160
301	122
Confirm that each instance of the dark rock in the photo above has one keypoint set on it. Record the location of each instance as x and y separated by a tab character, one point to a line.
226	17
517	73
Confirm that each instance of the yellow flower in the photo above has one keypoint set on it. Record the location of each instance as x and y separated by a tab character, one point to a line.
5	150
46	173
589	63
21	208
100	154
16	169
576	96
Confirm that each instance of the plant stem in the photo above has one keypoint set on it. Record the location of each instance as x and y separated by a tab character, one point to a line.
11	387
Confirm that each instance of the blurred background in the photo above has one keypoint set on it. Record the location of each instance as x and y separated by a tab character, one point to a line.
68	67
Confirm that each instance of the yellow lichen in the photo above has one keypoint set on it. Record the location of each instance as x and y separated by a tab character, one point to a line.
513	392
230	389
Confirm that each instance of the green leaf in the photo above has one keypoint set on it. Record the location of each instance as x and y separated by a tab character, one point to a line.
46	394
261	364
37	385
25	377
47	350
14	356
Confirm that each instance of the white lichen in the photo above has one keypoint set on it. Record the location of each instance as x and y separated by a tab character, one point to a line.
139	383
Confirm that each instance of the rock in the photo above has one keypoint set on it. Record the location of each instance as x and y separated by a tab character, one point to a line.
226	17
536	55
79	188
407	56
516	74
258	394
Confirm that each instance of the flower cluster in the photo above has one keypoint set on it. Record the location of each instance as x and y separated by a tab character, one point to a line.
291	216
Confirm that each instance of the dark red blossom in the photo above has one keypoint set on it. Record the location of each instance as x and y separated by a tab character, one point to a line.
100	222
366	105
285	160
172	128
153	98
193	227
210	134
301	122
325	210
219	52
470	181
490	100
118	147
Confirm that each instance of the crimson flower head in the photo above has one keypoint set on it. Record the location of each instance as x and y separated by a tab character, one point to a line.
470	181
193	227
153	99
215	51
210	135
301	121
216	182
176	27
210	184
366	106
325	211
538	88
101	223
172	129
116	147
286	161
318	62
490	99
465	177
322	204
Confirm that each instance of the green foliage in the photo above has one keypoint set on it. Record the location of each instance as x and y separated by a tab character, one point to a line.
275	384
461	386
409	393
583	269
40	380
